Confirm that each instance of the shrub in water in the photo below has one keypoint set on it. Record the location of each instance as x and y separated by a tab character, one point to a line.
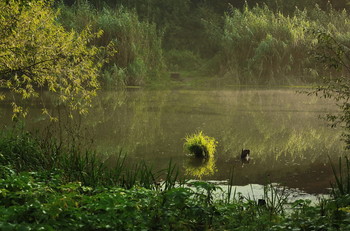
200	145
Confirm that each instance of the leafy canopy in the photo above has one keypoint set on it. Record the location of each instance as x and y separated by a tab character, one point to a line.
37	53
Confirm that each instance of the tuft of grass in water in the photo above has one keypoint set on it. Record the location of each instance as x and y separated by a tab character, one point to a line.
200	145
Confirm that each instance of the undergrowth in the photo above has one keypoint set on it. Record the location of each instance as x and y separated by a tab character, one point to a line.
43	188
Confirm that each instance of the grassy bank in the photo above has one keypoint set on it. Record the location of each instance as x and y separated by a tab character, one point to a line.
50	188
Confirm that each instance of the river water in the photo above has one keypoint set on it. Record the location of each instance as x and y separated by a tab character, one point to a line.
289	144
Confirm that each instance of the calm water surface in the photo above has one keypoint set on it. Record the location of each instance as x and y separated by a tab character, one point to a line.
289	143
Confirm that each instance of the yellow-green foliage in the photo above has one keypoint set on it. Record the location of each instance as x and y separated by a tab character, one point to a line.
200	145
36	52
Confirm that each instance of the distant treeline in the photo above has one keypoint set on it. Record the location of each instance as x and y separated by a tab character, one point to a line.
249	41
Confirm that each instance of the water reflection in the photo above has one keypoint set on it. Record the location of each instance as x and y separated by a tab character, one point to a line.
288	143
199	167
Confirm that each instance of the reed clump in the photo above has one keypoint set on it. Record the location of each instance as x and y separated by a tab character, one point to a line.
261	45
139	55
200	145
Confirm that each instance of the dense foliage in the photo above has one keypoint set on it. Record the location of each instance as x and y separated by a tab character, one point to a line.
247	42
36	53
139	57
46	199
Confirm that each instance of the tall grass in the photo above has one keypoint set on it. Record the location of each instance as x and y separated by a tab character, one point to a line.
341	186
24	151
260	45
139	57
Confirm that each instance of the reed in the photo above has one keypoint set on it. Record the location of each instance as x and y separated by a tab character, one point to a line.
230	194
275	199
23	151
341	173
26	152
261	45
139	56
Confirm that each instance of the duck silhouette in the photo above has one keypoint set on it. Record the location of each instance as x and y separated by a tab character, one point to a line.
245	155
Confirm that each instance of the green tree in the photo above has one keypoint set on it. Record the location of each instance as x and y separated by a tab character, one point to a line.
37	53
334	54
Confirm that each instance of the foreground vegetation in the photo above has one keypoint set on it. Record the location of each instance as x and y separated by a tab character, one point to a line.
43	187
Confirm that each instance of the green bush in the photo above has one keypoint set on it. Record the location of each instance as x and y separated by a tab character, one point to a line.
200	145
262	46
114	77
182	60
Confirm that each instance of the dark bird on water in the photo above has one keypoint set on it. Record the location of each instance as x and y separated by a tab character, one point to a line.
245	156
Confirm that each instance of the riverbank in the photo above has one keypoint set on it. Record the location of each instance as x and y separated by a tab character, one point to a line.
196	80
46	187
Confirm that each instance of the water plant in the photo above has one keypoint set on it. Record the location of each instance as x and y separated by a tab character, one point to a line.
341	187
200	145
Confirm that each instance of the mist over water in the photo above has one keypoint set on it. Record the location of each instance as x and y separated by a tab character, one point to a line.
289	144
